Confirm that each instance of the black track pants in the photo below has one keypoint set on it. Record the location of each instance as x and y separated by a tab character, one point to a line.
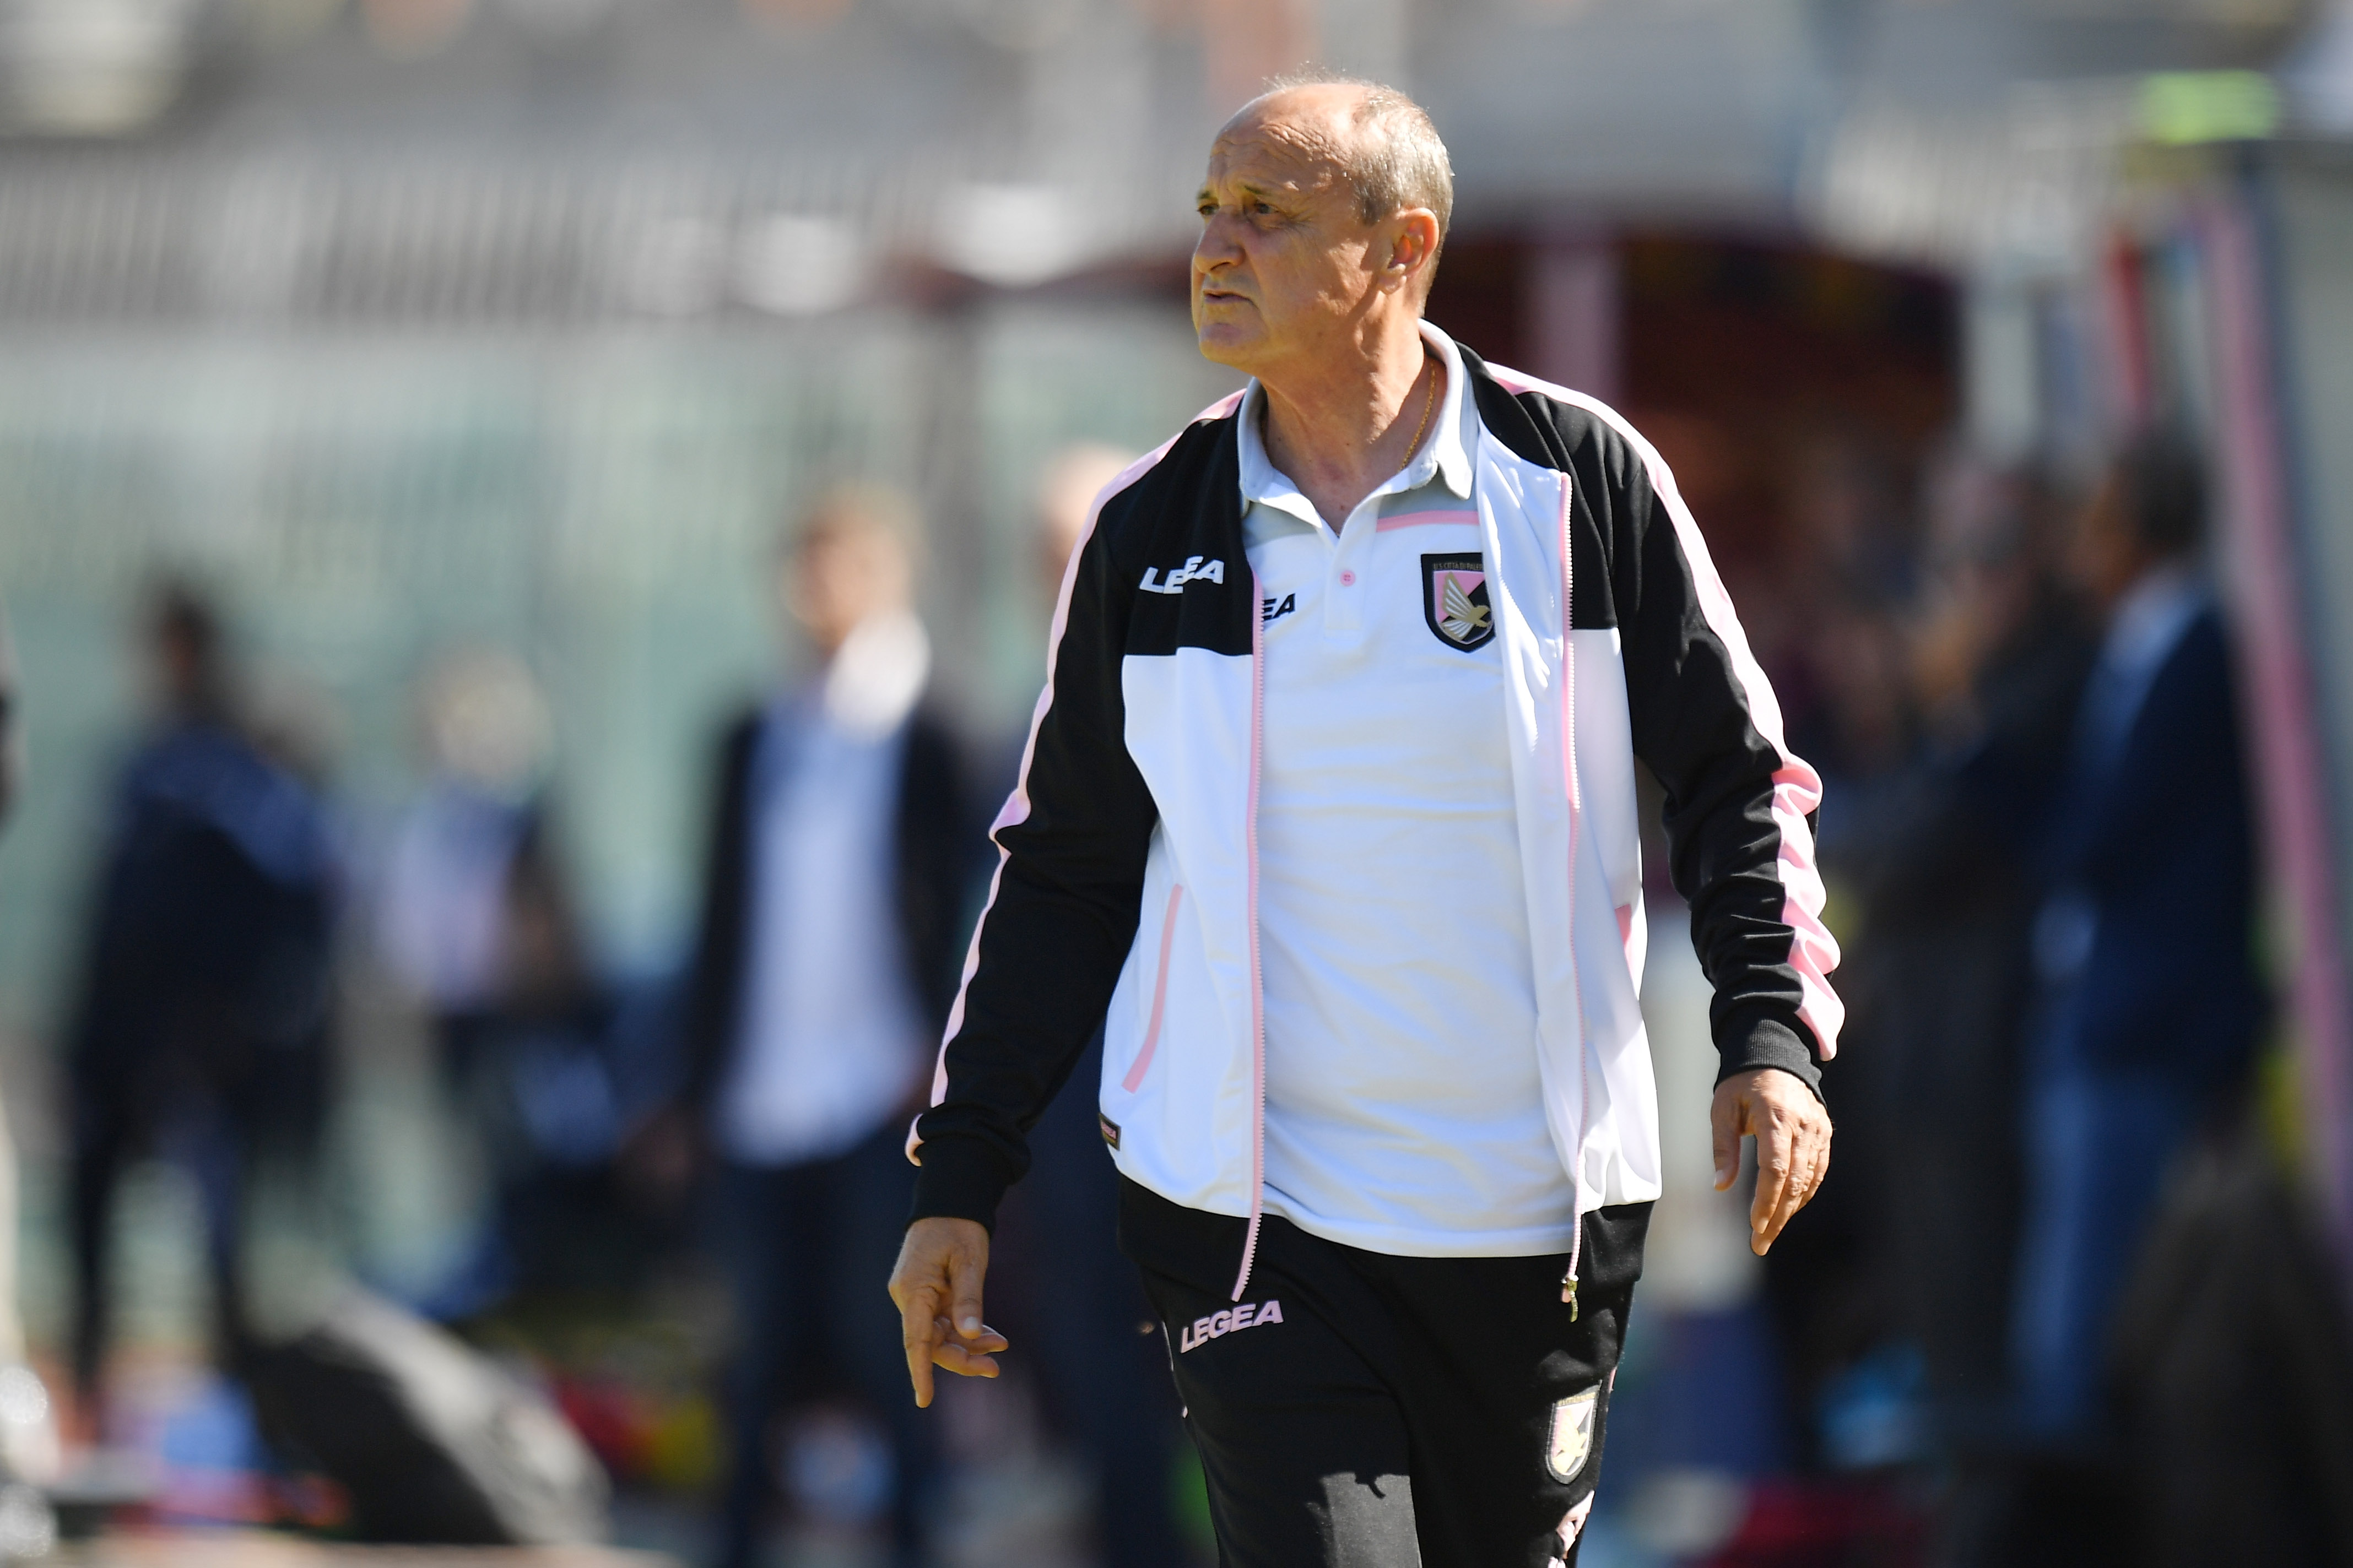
1356	1410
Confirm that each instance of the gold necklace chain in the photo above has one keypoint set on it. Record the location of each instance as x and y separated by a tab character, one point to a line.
1428	402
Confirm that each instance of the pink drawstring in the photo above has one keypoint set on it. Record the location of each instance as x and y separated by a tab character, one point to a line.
1575	1247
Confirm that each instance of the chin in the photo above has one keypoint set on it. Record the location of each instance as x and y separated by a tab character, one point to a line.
1223	345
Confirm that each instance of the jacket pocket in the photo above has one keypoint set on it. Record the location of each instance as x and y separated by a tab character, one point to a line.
1135	1079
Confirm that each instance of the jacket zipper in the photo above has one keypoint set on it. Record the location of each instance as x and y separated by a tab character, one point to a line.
1257	990
1576	814
1257	982
1134	1078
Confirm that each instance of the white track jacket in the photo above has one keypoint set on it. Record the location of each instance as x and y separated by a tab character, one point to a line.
1125	893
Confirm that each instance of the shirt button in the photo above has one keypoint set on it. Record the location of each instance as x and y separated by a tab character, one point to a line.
1347	579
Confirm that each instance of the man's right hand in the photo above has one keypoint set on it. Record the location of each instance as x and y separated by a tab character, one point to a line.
936	1286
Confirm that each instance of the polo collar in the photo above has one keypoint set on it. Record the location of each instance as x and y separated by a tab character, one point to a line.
1444	455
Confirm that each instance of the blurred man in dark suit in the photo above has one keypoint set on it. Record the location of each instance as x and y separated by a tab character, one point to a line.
833	922
2150	1001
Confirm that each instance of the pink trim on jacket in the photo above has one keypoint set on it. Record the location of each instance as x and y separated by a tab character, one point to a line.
1257	975
1016	804
1134	1078
1797	788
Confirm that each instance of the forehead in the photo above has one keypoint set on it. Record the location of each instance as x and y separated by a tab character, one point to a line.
851	538
1269	147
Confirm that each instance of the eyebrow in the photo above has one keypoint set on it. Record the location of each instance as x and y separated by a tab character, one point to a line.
1245	187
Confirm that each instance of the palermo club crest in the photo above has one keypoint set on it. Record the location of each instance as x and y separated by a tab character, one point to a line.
1572	1433
1454	600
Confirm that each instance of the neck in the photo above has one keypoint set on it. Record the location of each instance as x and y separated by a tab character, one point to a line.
1339	428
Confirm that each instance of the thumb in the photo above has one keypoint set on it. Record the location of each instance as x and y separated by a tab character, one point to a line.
1724	1130
963	1289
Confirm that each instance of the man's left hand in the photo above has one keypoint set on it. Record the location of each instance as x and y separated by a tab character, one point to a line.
1793	1145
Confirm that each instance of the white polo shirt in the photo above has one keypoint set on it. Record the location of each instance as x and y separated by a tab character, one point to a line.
1404	1108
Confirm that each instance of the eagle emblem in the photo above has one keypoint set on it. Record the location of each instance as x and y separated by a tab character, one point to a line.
1454	600
1572	1433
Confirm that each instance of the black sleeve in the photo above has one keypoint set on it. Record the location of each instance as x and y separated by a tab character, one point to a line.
1695	727
1061	919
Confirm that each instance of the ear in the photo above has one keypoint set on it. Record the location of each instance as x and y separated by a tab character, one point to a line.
1413	247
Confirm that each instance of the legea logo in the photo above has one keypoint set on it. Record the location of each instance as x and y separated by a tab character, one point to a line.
1218	1325
1195	570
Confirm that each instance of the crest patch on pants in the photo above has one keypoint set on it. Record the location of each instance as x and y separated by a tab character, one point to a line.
1454	600
1572	1433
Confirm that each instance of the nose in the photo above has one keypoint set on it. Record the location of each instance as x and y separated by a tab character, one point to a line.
1216	247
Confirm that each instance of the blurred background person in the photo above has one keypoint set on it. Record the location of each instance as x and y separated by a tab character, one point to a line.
2149	1003
477	919
12	1327
1947	862
834	920
12	724
202	1029
29	1432
1070	1296
443	920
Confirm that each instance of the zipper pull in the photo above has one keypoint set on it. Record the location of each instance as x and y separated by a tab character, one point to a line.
1569	1291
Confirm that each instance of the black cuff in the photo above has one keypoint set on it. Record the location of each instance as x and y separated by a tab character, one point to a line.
958	1178
1746	1042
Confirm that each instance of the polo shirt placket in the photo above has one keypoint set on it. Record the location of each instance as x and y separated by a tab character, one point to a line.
1405	1110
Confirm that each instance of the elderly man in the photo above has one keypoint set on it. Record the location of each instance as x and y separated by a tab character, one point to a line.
1328	814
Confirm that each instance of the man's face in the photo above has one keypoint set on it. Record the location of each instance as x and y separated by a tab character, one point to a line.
2109	558
1286	268
839	577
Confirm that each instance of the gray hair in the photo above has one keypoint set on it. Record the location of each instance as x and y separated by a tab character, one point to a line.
1397	161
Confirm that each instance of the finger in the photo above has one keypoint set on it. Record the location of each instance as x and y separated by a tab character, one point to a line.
988	1341
1822	1159
964	1288
1806	1176
1773	1175
1812	1155
955	1358
1821	1171
972	1359
1723	1133
918	1336
1794	1192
